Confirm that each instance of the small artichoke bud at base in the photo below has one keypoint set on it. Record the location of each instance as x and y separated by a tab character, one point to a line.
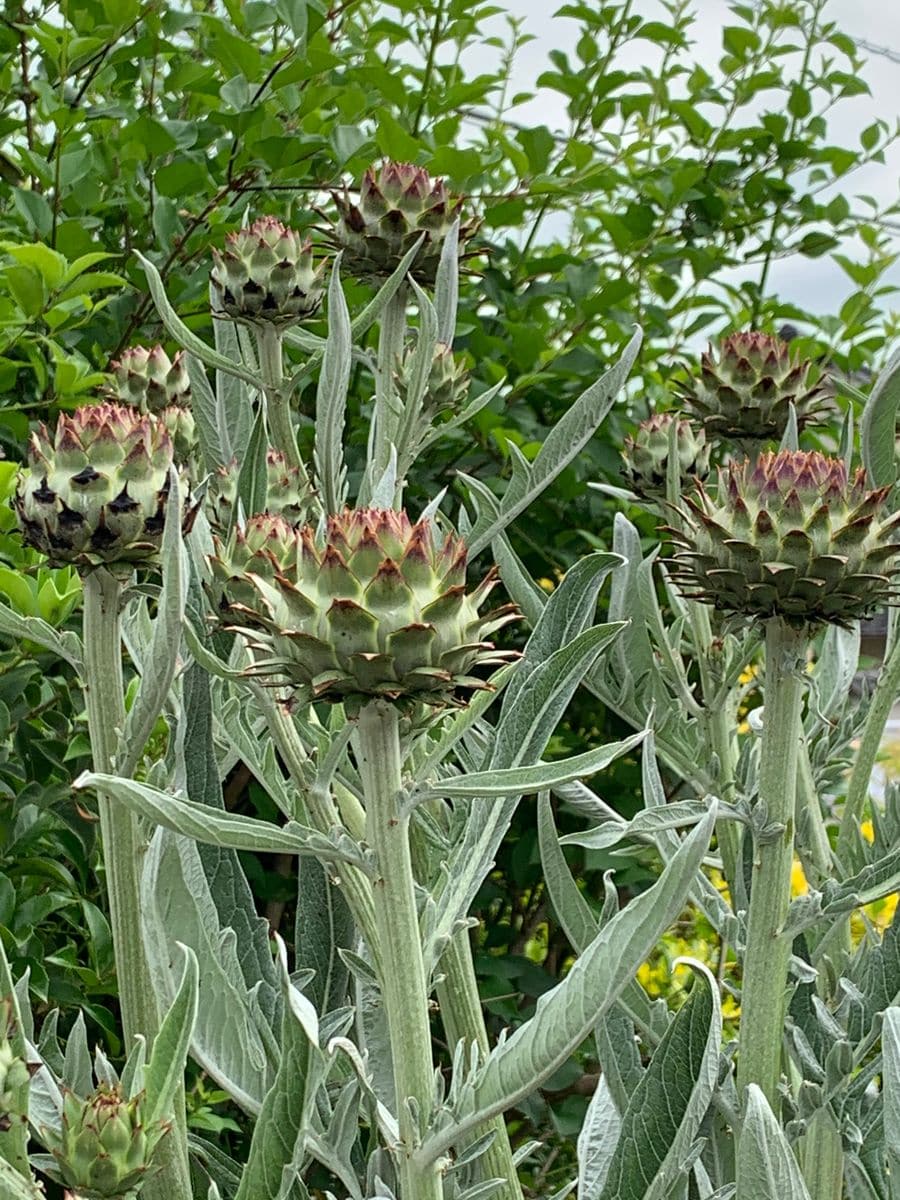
790	536
266	275
94	493
287	496
646	454
447	385
150	379
745	393
15	1075
398	203
374	607
104	1148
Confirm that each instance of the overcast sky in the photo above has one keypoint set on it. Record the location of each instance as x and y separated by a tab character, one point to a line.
816	284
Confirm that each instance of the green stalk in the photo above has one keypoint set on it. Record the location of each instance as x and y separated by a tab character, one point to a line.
124	846
463	1018
404	984
886	692
278	408
767	954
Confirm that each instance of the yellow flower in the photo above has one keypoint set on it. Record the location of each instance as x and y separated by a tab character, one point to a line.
748	674
799	886
868	831
547	584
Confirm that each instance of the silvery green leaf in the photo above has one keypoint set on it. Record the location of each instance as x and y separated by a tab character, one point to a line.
288	1107
597	1142
878	426
522	589
215	447
220	828
233	406
633	655
520	781
180	332
232	1039
790	439
160	663
522	735
766	1166
890	1082
423	352
324	925
564	443
386	487
539	693
873	882
482	1191
65	645
164	1073
566	1014
663	1117
446	286
567	613
331	398
835	669
253	480
78	1071
646	824
14	1186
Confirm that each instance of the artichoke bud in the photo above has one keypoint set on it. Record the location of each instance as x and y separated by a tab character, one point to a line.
266	275
94	492
372	606
398	202
151	380
15	1075
646	454
744	394
791	536
287	495
447	385
104	1148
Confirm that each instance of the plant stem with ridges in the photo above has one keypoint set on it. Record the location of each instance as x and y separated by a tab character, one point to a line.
404	983
124	845
767	953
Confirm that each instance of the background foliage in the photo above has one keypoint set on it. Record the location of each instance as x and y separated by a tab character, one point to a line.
666	200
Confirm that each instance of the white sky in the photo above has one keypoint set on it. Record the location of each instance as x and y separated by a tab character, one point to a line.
817	284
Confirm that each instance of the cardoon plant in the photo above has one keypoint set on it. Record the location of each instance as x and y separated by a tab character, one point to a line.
344	651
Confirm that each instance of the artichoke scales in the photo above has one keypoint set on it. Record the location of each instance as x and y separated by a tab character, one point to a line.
95	492
646	453
745	392
398	203
792	536
377	606
266	275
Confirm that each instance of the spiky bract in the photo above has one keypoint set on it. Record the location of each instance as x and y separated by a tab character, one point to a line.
287	495
376	606
398	202
266	275
104	1147
646	454
791	536
150	379
94	493
745	392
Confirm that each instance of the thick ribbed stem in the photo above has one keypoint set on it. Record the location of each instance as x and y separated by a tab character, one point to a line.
321	812
124	845
886	692
767	954
823	1158
278	409
404	984
463	1019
